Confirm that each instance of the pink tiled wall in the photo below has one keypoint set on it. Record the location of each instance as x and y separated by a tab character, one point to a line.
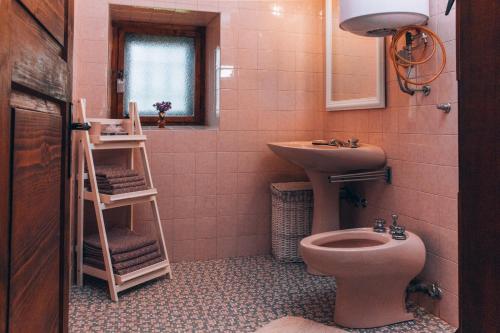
421	143
213	182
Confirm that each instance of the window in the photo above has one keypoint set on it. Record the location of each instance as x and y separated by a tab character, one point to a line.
158	63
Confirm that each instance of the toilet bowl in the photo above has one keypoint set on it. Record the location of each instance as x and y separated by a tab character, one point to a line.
371	270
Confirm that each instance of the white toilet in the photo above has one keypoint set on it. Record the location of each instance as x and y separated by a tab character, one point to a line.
372	271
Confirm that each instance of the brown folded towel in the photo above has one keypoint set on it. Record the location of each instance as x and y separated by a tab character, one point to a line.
120	257
124	190
112	181
122	185
119	240
134	268
124	264
111	172
129	269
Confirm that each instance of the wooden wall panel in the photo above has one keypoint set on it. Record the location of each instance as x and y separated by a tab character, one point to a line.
36	219
38	62
50	13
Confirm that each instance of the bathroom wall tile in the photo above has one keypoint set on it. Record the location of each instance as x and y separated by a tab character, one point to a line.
227	162
449	308
205	249
448	244
184	206
184	250
449	275
206	227
206	162
227	247
183	229
448	213
205	141
166	206
206	184
227	183
227	226
227	204
184	163
184	185
227	141
205	206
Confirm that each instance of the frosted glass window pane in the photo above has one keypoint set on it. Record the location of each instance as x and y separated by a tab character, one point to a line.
159	68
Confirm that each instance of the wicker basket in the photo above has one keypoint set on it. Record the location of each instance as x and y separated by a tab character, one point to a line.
292	205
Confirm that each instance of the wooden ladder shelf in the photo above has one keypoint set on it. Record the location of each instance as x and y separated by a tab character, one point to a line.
89	141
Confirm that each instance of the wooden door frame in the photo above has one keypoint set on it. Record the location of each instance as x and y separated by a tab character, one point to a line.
478	70
5	143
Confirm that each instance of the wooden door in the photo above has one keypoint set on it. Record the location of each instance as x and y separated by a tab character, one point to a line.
478	23
35	99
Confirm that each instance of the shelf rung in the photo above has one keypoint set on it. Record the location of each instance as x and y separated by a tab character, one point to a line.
123	199
121	279
162	266
103	139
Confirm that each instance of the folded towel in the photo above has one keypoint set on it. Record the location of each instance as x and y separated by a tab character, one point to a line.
120	257
111	172
122	185
124	264
119	240
128	269
124	190
137	267
112	181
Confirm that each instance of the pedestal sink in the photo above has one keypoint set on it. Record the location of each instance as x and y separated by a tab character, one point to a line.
321	161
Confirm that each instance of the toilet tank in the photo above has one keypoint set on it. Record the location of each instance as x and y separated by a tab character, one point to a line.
377	18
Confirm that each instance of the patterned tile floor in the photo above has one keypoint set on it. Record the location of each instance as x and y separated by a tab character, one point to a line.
229	295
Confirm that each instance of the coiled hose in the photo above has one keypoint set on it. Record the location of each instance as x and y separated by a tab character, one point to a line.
399	61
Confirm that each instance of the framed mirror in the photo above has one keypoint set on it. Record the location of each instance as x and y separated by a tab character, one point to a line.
355	66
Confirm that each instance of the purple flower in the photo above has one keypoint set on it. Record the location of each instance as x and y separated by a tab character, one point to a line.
163	106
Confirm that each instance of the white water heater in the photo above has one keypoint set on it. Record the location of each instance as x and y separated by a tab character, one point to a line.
377	18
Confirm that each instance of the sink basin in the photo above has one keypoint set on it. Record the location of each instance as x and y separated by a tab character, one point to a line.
321	161
331	159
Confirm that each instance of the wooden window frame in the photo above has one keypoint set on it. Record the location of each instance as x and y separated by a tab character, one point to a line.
120	28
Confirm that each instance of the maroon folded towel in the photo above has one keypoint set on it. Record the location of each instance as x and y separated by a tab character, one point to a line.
124	190
137	267
91	252
128	269
124	264
111	172
119	240
122	185
113	181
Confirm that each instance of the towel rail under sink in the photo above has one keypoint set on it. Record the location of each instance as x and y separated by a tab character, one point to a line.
383	174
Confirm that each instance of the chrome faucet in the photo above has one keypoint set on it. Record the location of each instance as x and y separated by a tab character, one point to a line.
394	223
397	231
338	143
353	142
379	226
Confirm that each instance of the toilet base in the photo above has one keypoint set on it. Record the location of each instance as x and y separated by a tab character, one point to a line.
362	303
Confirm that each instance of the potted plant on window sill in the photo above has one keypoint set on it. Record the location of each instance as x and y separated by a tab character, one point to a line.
162	108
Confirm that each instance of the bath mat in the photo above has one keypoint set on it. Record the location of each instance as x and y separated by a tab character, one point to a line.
297	325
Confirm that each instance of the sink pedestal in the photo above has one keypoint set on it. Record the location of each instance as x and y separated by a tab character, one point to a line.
326	214
326	202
